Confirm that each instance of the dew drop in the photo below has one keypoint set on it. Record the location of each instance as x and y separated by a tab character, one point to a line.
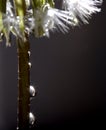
17	128
31	118
1	36
30	65
32	91
29	53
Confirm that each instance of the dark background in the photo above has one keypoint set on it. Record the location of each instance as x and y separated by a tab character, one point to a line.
69	73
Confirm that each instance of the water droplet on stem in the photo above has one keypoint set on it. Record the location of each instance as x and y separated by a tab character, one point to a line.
32	91
29	53
31	118
30	65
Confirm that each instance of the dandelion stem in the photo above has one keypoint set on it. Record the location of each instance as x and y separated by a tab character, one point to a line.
3	6
23	84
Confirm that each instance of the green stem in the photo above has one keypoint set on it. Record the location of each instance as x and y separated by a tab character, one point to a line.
3	6
23	84
2	12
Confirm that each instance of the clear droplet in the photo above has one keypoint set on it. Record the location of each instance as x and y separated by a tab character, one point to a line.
29	53
30	65
31	118
32	91
1	36
17	128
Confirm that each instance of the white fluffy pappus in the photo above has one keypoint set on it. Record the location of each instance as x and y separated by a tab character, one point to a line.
82	9
51	19
43	19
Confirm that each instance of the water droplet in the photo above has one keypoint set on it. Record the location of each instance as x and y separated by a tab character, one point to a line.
32	91
30	65
1	36
31	118
17	128
29	53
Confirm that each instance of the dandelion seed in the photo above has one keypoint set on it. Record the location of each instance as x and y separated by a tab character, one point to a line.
82	9
50	19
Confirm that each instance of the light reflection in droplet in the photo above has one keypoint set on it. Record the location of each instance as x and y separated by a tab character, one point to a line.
32	91
29	53
31	118
30	65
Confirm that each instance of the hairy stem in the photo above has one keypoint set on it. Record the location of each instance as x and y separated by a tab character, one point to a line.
23	84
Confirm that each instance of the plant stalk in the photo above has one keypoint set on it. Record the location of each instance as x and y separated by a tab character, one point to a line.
23	49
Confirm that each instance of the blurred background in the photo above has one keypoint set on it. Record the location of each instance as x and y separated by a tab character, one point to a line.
69	74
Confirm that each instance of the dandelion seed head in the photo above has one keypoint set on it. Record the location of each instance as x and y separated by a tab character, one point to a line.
41	17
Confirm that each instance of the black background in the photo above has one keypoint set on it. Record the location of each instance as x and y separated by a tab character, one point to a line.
69	73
